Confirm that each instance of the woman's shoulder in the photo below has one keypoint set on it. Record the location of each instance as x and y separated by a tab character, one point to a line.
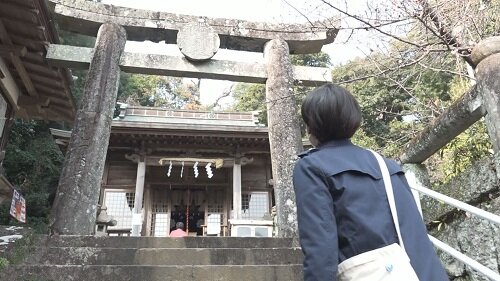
354	159
307	152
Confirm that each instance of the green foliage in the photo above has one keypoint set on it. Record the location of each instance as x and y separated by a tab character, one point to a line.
314	60
3	263
21	248
492	18
465	149
397	106
468	147
250	97
157	91
32	164
4	213
361	139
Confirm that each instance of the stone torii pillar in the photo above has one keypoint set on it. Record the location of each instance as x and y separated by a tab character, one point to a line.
75	205
284	132
486	56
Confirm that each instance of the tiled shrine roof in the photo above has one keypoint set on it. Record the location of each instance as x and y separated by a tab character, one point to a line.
189	118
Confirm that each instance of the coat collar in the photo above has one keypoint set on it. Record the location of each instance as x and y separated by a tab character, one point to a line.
332	143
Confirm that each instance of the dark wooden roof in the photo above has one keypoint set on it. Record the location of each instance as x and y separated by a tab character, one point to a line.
185	141
26	29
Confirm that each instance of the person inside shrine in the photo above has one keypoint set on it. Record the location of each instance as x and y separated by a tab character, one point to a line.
178	232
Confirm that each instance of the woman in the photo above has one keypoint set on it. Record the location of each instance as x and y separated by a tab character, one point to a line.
342	205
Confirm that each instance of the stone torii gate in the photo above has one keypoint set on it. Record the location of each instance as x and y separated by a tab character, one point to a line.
198	38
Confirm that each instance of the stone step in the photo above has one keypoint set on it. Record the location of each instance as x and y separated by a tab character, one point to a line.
164	256
153	273
165	242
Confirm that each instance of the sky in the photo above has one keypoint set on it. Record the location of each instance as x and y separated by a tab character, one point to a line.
256	10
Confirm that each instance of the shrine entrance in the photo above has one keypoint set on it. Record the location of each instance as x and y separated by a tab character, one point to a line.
187	208
203	212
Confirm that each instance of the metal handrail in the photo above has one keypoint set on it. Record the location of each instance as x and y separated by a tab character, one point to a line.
465	259
456	203
466	207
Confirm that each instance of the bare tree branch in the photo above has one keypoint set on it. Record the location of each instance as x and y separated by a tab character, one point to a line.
374	25
297	10
444	33
385	71
447	71
370	25
225	93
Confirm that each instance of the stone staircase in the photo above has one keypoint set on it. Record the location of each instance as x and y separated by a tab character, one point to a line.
154	259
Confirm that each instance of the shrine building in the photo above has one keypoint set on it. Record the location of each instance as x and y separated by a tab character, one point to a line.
209	170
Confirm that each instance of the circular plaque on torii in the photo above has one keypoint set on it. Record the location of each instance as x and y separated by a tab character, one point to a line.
198	41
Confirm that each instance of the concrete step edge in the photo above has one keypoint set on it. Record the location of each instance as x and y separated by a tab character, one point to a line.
166	242
166	248
154	273
151	266
131	256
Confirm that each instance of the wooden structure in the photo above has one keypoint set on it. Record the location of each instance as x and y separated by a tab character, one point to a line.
199	39
143	143
29	87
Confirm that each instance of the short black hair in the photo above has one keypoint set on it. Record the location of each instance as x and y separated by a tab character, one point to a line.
331	112
179	225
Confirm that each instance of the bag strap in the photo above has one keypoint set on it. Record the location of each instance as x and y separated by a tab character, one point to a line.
390	194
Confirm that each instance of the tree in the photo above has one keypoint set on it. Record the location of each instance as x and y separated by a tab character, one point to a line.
393	114
158	91
385	99
437	35
252	97
33	164
315	60
418	56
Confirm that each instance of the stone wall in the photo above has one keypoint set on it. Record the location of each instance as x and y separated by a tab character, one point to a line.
473	236
474	185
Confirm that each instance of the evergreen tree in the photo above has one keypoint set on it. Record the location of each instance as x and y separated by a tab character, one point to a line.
32	164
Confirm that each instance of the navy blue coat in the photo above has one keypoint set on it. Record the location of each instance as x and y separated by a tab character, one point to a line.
343	211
